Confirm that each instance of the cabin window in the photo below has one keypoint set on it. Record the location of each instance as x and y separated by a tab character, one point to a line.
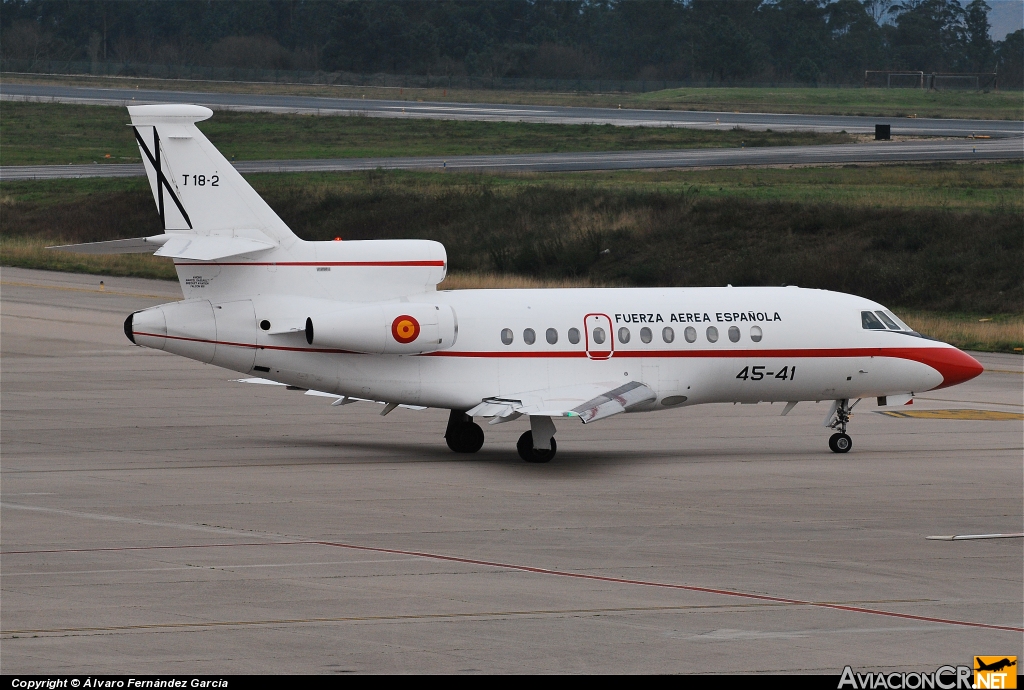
623	335
574	335
551	335
712	334
690	334
506	336
871	322
529	336
599	336
734	334
887	321
646	335
755	333
667	334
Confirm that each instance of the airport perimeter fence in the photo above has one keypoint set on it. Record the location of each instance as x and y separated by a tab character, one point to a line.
200	73
938	81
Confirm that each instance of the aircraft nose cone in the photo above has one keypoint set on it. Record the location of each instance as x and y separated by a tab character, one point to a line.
954	365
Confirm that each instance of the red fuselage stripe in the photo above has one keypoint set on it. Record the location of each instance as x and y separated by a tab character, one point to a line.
914	354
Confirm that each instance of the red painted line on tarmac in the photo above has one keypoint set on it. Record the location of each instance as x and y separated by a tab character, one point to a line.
154	548
558	573
388	264
666	585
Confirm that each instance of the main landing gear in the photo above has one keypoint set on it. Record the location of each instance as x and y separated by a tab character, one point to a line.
536	445
838	418
530	454
462	435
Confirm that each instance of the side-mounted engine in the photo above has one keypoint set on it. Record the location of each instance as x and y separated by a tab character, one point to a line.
227	334
389	328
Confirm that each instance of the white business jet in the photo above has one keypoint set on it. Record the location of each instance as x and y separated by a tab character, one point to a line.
364	321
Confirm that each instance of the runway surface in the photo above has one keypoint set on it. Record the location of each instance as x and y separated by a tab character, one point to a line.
159	518
512	113
877	152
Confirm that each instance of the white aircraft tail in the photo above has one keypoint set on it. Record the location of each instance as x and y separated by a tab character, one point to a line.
228	243
197	191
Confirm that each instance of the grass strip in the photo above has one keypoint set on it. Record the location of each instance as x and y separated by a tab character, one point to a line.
982	187
565	228
25	252
982	105
58	134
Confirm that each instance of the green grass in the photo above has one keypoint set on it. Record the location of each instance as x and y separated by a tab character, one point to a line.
986	187
50	133
944	251
991	105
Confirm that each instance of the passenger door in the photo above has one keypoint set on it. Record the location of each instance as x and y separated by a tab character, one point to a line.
600	337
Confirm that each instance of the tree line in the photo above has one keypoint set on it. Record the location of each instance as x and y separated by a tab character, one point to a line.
807	41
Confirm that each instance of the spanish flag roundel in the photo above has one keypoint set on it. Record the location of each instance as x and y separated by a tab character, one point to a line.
405	329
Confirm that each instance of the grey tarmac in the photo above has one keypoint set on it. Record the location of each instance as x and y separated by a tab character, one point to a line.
159	518
628	117
868	153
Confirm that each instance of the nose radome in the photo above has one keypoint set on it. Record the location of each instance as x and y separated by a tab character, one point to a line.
954	365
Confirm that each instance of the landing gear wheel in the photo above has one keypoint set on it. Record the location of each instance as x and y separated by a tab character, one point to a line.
840	443
466	437
530	454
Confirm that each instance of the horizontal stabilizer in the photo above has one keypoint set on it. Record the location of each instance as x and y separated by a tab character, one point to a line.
203	248
195	247
136	245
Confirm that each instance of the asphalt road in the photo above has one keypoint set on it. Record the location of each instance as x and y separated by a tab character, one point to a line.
159	518
513	113
875	152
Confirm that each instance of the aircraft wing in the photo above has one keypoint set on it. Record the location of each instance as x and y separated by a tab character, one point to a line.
589	402
338	399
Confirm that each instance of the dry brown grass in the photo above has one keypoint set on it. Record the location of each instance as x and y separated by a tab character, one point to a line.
497	281
998	333
32	253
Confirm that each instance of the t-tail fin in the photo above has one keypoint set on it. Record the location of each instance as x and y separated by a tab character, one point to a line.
197	191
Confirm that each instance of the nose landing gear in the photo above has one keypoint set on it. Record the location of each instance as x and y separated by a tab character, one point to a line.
838	418
840	443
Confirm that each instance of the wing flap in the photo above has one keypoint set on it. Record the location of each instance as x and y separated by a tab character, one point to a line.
614	401
589	402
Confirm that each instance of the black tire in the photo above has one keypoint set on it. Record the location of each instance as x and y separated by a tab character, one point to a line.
840	443
465	438
530	454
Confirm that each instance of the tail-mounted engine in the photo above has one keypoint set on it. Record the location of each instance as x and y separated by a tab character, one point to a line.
391	328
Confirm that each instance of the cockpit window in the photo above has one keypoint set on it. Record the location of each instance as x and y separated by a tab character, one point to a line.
887	321
871	322
899	323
